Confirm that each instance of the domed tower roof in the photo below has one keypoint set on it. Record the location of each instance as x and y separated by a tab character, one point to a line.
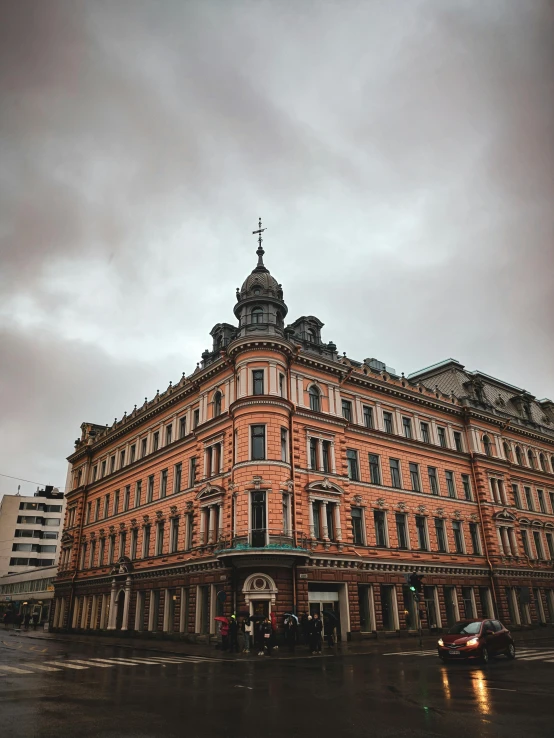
260	305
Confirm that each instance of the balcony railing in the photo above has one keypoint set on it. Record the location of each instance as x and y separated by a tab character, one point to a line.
264	538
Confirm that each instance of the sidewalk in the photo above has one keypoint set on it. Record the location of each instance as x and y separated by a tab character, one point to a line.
351	648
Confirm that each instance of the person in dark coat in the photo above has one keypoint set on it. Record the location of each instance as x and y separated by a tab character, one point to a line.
26	620
291	630
233	635
315	634
18	620
267	636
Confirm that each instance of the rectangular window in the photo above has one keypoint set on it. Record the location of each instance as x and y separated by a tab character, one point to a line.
316	507
94	472
528	498
441	535
122	459
182	427
450	483
395	480
192	471
174	540
133	546
112	465
111	549
368	416
442	436
133	453
540	495
160	539
97	509
281	385
387	420
538	544
517	499
401	530
258	518
258	382
325	447
286	514
526	546
257	441
551	495
407	426
168	434
475	543
425	432
329	510
127	498
421	527
352	462
146	542
116	502
150	489
163	484
138	493
122	543
433	480
143	444
313	453
177	474
358	526
101	551
196	418
467	597
347	410
550	544
156	441
458	537
380	528
374	469
284	444
458	441
414	477
103	469
88	513
467	487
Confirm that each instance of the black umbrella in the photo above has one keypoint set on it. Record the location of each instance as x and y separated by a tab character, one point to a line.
330	614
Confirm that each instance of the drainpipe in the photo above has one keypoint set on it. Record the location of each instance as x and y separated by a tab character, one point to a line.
293	492
465	418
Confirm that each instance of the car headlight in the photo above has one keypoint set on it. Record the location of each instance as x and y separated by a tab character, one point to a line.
473	642
441	642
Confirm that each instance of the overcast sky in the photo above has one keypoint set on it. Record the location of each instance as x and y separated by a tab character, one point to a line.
400	153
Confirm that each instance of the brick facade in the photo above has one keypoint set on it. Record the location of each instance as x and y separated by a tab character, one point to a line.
281	504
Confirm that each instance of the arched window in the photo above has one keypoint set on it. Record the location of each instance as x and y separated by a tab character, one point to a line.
487	445
217	404
519	457
507	451
315	398
542	462
531	457
257	315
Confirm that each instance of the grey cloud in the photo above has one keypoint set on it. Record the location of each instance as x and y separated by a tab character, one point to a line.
400	153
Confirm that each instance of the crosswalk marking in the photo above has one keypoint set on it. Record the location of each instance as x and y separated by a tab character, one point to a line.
132	662
14	670
66	665
43	667
523	654
90	663
113	663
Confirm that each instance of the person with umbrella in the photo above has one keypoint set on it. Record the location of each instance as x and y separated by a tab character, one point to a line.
315	633
246	630
266	631
224	630
330	622
291	630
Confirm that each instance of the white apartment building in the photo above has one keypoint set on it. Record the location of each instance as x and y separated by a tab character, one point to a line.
30	530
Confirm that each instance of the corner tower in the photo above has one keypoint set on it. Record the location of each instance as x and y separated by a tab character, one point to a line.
260	308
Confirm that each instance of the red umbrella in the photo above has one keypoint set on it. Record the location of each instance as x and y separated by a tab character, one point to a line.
222	619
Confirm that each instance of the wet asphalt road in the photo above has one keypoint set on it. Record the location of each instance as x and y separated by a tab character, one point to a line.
346	697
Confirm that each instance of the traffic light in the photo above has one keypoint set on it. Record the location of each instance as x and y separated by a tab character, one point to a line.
416	582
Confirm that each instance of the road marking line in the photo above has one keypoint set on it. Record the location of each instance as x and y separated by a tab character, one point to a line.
90	663
42	667
532	658
411	653
501	689
113	662
15	670
66	665
132	661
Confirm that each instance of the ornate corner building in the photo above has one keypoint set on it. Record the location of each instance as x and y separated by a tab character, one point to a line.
282	477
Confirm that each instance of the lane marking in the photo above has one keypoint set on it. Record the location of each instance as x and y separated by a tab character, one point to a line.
134	662
411	653
90	663
15	670
42	667
113	663
501	689
66	665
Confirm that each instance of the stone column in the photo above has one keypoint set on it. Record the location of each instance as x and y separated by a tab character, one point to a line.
505	541
202	525
338	528
320	454
103	612
94	612
211	524
219	521
332	459
111	616
84	612
151	611
323	517
513	541
167	595
500	542
311	518
126	604
183	610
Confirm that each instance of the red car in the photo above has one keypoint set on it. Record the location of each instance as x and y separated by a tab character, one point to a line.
476	639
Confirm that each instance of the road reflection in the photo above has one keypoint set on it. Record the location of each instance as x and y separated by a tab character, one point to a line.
481	692
446	683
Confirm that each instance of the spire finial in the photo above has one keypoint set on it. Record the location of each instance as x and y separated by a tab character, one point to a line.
260	252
